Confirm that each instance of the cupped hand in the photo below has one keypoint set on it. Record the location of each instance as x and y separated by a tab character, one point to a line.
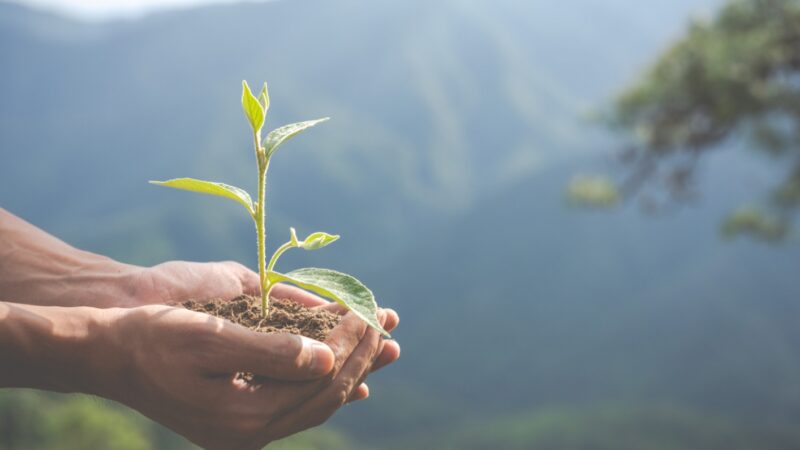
389	350
179	368
176	281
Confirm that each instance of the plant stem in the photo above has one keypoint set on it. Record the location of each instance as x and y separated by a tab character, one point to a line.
261	229
277	254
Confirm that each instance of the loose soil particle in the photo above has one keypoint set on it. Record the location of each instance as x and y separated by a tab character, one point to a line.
285	316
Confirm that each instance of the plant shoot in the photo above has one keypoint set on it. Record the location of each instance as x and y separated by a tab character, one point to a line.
339	287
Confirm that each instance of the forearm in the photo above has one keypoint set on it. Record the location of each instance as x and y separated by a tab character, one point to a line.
37	268
54	348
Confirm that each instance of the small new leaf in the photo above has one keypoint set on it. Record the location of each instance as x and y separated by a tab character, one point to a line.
280	135
252	108
339	287
263	98
317	240
209	187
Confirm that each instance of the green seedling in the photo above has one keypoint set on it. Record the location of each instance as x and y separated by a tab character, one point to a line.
339	287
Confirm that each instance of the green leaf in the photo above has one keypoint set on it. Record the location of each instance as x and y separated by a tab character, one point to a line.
314	241
318	240
280	135
209	187
339	287
263	98
252	108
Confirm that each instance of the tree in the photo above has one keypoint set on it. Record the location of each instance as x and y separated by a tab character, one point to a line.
734	76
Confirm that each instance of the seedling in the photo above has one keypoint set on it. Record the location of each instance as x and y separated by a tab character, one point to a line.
339	287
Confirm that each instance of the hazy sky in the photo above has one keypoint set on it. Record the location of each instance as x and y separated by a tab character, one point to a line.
106	9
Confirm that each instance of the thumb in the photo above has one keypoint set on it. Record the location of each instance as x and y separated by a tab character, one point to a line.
280	356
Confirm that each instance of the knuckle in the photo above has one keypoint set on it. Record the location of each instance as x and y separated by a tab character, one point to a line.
232	264
340	395
289	351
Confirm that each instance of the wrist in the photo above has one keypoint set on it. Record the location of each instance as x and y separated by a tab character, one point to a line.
38	269
96	281
57	349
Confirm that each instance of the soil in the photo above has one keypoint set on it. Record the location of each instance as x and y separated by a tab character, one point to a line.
285	316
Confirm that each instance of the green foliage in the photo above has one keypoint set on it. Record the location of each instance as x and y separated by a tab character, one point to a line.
314	241
253	109
263	98
733	75
83	422
316	439
726	73
593	191
280	135
35	420
337	286
748	220
342	288
209	187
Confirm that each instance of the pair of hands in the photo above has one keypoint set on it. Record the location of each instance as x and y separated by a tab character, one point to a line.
301	383
173	365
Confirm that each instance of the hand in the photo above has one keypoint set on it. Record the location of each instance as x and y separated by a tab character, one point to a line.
183	365
177	281
177	366
389	350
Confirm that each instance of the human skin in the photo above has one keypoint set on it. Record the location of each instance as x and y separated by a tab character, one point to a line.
82	322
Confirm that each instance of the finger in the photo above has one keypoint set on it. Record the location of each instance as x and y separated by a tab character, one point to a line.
392	319
361	393
249	281
334	308
344	339
279	356
320	407
389	354
381	343
341	341
286	291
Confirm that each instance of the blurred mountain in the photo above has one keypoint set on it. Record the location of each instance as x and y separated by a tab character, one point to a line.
524	302
435	104
455	126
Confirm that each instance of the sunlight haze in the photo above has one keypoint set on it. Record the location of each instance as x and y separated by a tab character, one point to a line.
102	9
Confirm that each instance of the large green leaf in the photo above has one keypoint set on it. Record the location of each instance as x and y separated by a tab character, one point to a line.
252	108
337	286
280	135
209	187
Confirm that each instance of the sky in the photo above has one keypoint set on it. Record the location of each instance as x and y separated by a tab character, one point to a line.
113	9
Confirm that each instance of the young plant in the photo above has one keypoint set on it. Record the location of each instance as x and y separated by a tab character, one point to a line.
339	287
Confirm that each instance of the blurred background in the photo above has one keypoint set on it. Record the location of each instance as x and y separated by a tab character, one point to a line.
582	210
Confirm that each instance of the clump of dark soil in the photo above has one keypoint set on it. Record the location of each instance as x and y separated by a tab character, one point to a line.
285	316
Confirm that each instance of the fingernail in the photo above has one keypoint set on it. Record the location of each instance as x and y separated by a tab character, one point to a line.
321	356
